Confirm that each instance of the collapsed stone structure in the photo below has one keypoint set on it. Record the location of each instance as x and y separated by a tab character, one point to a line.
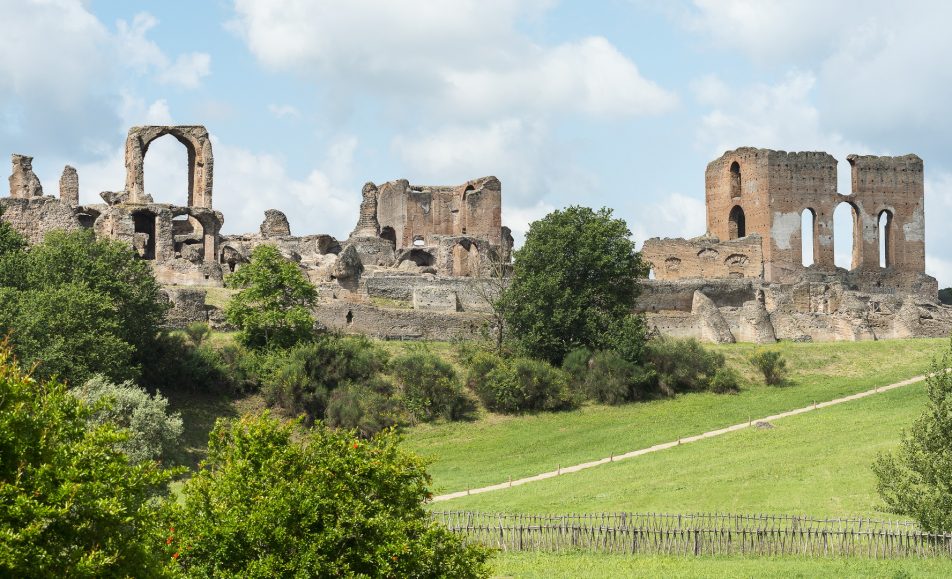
408	269
413	265
745	279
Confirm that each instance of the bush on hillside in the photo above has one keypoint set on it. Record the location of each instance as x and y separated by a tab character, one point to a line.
302	378
366	408
269	502
726	380
520	385
71	503
612	379
429	387
576	365
772	365
682	365
153	432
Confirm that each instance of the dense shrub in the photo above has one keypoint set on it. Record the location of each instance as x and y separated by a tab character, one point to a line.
177	364
429	386
71	503
772	365
519	384
367	408
272	503
302	379
726	380
682	365
611	379
153	432
273	306
576	364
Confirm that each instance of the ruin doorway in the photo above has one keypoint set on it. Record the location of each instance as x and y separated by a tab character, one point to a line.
735	181
420	257
885	226
465	259
846	246
737	223
166	170
389	234
144	239
807	237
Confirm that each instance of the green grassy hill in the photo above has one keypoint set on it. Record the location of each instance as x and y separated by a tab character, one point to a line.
487	451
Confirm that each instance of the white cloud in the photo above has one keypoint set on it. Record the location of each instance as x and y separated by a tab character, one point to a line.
284	111
518	218
674	215
467	57
145	56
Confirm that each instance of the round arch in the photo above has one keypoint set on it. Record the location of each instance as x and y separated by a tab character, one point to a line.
200	160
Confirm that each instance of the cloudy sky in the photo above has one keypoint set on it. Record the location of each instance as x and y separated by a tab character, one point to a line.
618	103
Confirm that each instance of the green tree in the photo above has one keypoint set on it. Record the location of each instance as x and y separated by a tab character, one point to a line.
71	503
574	283
272	502
274	305
153	432
10	240
916	480
79	306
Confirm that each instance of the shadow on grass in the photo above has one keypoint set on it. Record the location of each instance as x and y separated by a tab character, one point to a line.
199	412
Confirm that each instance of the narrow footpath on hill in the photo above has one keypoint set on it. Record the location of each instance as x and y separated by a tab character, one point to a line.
666	445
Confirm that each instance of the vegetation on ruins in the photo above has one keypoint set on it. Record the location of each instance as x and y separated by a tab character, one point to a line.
79	306
271	502
153	433
916	480
71	502
574	282
273	306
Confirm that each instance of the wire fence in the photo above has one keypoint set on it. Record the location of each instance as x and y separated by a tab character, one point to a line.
698	534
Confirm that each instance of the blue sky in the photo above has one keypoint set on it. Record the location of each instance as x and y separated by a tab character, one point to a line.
618	103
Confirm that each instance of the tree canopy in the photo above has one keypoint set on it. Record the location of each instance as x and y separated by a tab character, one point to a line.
270	502
574	284
273	306
916	480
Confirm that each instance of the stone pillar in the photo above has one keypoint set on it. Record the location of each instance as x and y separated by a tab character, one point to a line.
367	224
24	184
69	186
275	224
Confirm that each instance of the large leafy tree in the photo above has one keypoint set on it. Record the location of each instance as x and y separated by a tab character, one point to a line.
916	480
71	502
574	285
272	502
78	306
274	305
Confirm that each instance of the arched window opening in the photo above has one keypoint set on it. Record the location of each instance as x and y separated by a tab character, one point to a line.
845	227
735	180
188	237
807	235
737	226
885	239
144	237
165	169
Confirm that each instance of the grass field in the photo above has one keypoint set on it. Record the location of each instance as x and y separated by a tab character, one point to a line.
816	463
555	566
488	450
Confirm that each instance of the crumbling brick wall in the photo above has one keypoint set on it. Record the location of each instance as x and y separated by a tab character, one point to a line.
704	257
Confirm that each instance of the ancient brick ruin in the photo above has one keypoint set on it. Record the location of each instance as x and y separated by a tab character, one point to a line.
407	270
745	279
414	265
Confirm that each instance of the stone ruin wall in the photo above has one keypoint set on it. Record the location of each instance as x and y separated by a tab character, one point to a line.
704	257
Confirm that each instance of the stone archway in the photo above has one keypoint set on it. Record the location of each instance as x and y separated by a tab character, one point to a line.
200	161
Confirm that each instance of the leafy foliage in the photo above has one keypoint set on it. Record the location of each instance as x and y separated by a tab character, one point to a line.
772	365
682	365
429	386
519	384
153	433
273	308
916	480
80	306
270	503
366	408
304	377
10	240
574	278
612	379
71	503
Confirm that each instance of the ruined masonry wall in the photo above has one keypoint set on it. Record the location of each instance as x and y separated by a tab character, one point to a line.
704	257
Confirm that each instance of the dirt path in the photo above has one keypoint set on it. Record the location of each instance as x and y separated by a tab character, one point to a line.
666	445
